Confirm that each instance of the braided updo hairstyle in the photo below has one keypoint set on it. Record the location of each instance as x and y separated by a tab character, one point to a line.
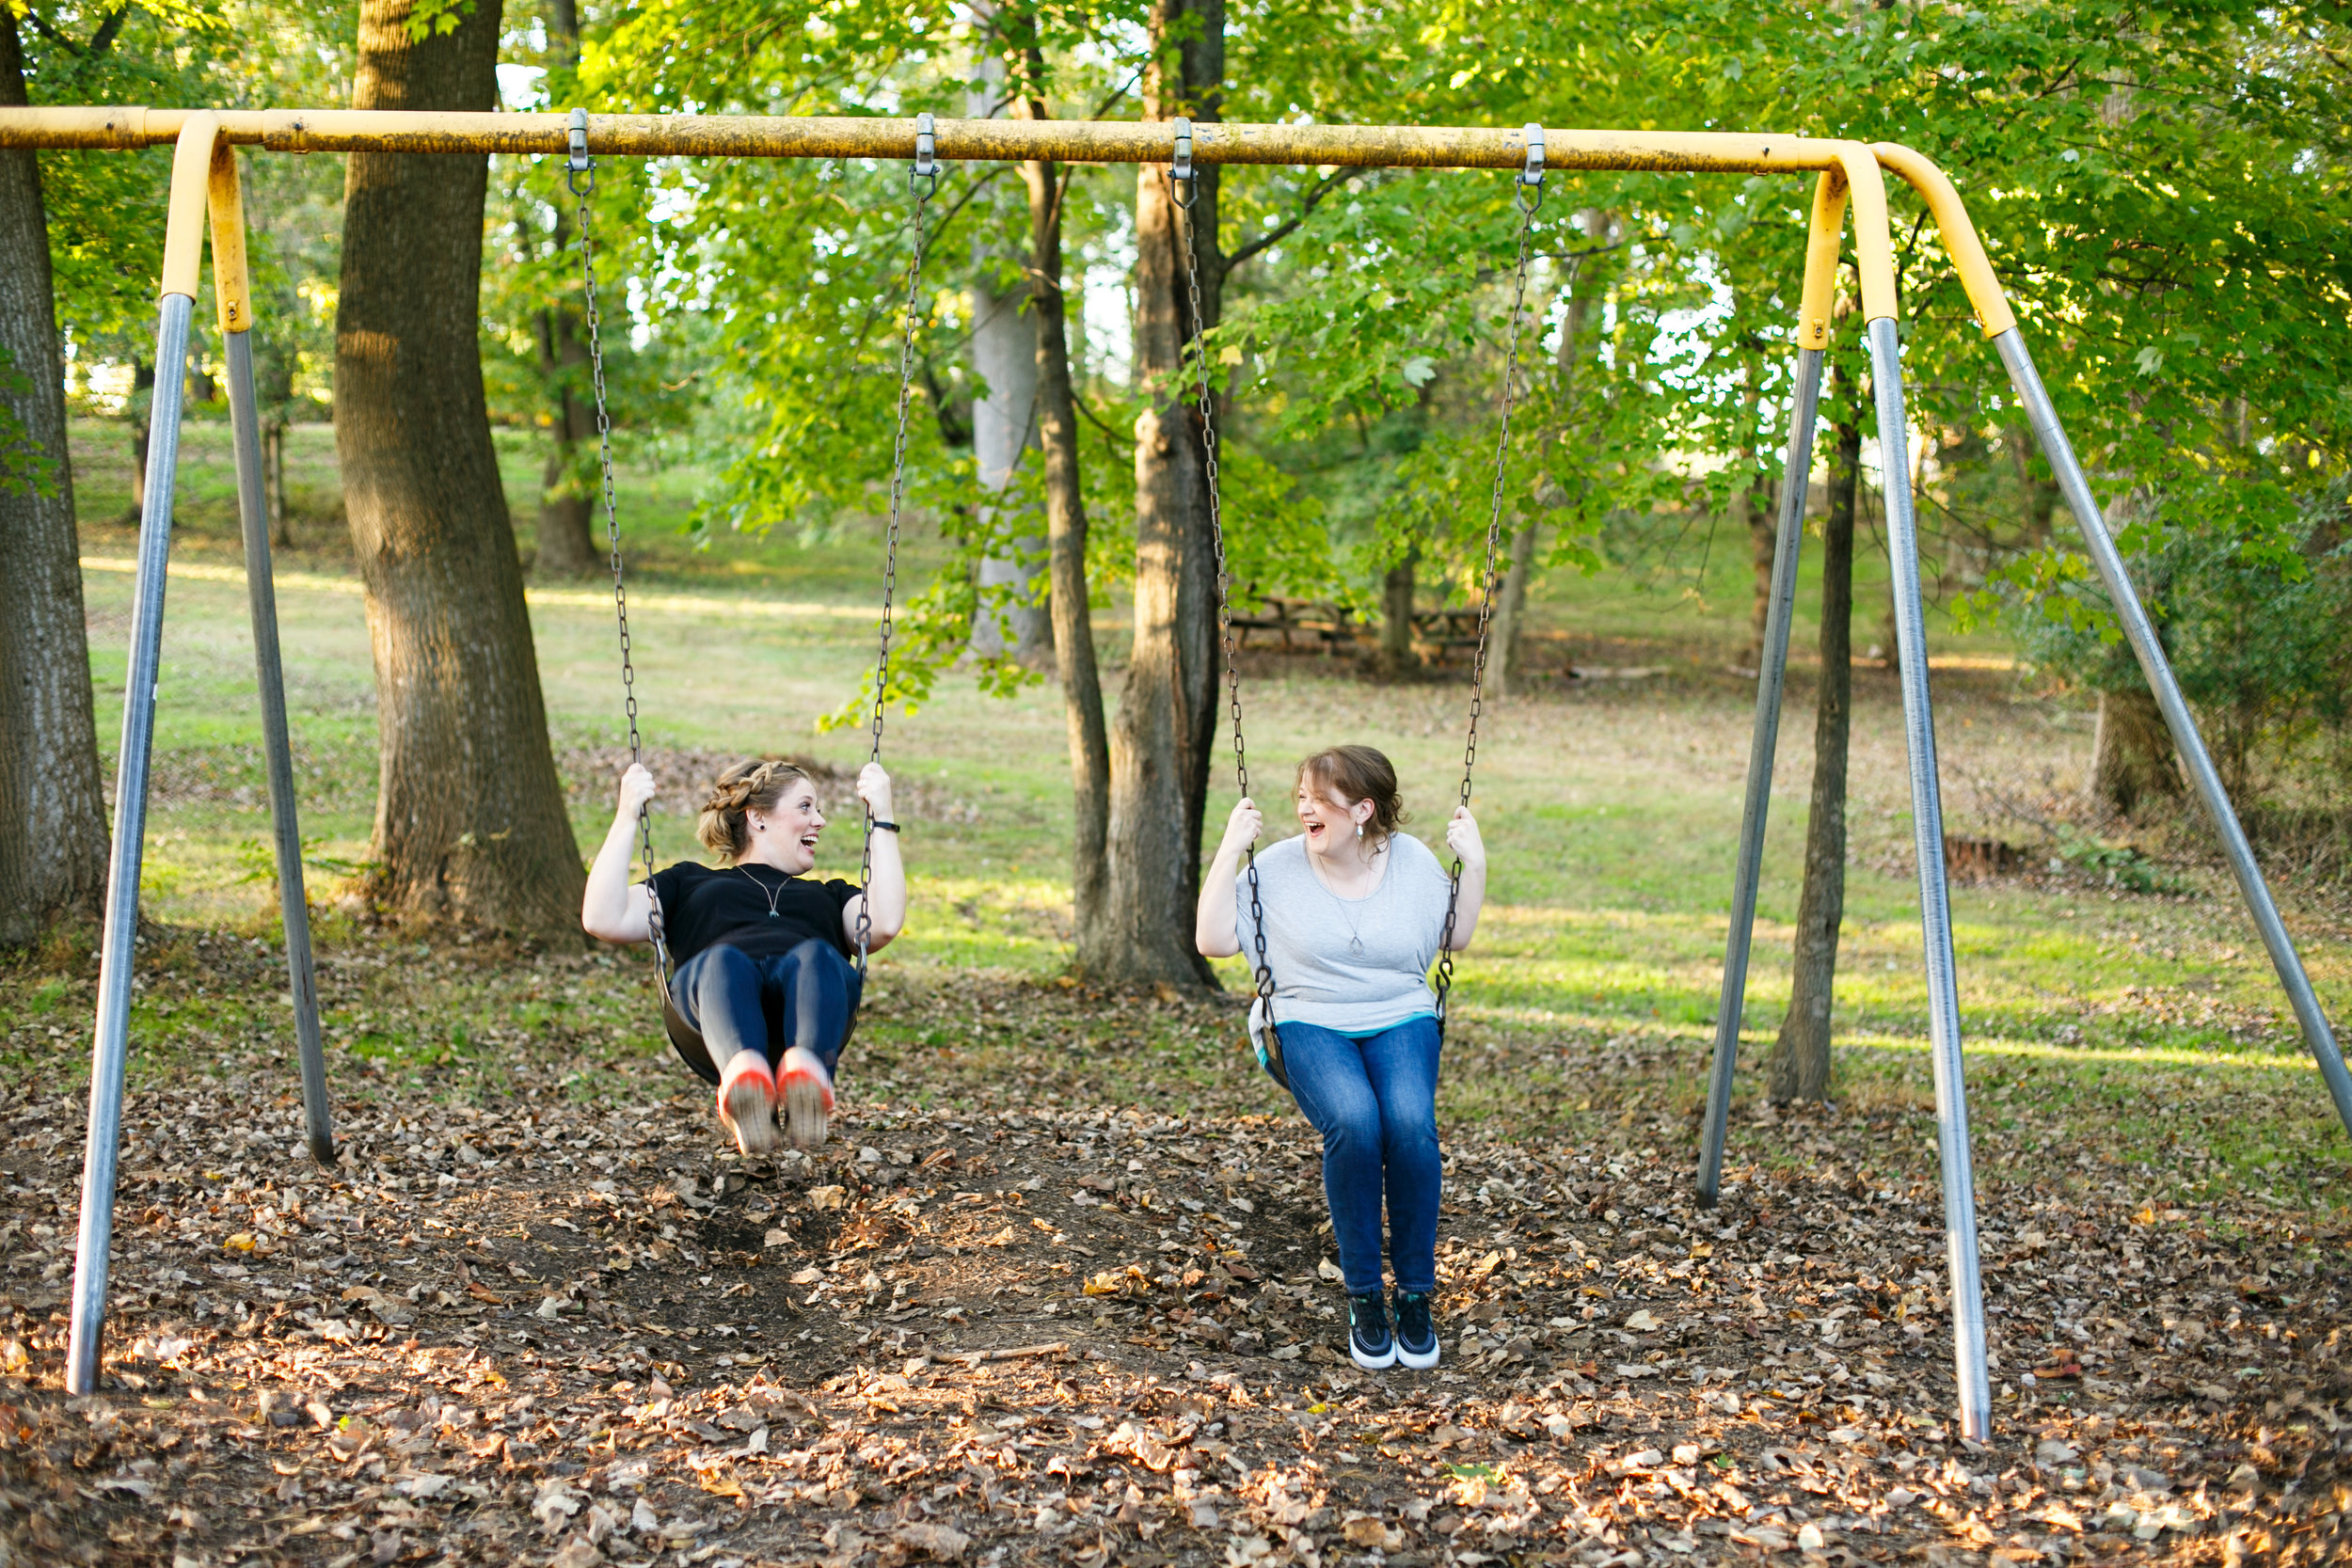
754	784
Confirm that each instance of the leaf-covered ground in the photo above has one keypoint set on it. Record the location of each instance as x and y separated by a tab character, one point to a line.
1057	1291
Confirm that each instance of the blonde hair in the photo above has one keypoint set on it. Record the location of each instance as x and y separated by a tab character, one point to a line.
754	784
1350	774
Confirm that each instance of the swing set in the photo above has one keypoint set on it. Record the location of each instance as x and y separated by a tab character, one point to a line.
1848	174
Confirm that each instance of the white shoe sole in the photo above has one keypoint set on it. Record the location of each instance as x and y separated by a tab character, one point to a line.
1418	1363
1372	1363
747	1112
804	1111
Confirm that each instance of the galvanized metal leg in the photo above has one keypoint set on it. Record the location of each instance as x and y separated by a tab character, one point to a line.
1936	913
120	932
253	513
1765	741
2075	488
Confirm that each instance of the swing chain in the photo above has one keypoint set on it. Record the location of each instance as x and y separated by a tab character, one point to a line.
1181	174
581	177
1528	194
923	181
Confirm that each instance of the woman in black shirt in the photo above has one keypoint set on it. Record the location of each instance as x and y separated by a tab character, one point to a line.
764	953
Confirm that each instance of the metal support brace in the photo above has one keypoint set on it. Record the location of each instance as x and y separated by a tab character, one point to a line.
120	937
1804	411
269	675
2075	488
1936	913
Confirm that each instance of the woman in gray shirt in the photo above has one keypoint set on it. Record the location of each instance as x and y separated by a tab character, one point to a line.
1354	912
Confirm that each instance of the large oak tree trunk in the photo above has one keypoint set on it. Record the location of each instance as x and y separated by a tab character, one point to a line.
1066	550
1161	742
469	819
1800	1064
53	810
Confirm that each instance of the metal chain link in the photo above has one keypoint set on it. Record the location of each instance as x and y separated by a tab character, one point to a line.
1527	205
582	178
1207	407
925	185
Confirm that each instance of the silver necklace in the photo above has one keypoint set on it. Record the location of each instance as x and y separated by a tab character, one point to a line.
773	914
1355	926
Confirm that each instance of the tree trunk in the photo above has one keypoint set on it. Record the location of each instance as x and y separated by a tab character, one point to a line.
1756	502
1752	511
1799	1064
1511	607
1161	741
1066	539
567	532
470	818
53	810
2131	752
136	409
274	482
1582	310
1394	658
1004	426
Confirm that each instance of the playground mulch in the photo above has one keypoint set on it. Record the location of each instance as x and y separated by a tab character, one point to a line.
538	1314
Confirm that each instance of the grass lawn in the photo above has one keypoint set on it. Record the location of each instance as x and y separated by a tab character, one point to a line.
2147	1025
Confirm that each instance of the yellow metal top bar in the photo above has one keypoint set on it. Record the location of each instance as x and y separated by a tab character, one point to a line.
818	137
1076	141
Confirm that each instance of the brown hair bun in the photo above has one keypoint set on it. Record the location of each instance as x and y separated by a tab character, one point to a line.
754	784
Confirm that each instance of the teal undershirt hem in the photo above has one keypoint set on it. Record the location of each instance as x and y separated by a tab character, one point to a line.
1367	1034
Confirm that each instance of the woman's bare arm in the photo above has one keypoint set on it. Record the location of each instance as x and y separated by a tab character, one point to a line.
614	908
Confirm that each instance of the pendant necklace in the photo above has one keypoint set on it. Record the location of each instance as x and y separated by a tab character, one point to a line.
1354	936
773	912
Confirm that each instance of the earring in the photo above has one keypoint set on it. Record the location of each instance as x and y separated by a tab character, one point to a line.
762	827
1360	829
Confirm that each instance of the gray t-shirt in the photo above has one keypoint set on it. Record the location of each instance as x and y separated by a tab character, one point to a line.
1351	964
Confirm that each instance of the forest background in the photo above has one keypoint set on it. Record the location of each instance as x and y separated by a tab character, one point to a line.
2162	188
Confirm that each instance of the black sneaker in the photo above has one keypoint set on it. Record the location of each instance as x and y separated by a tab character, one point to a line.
1368	1338
1416	1336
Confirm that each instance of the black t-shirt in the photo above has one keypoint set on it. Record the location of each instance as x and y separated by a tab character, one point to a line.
703	906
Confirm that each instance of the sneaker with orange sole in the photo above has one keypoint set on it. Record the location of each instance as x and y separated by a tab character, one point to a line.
747	1102
806	1089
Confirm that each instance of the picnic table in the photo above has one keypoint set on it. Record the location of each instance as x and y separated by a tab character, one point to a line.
1326	626
1437	633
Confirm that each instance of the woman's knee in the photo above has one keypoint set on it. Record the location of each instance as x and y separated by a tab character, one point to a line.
816	953
715	971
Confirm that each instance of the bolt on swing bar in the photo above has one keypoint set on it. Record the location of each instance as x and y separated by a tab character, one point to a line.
1853	166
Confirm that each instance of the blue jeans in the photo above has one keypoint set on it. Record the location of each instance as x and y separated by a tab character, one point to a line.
1374	1101
806	997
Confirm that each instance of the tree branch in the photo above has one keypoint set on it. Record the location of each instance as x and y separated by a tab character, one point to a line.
1275	235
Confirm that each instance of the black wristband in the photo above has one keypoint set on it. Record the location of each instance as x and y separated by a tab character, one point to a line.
886	827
